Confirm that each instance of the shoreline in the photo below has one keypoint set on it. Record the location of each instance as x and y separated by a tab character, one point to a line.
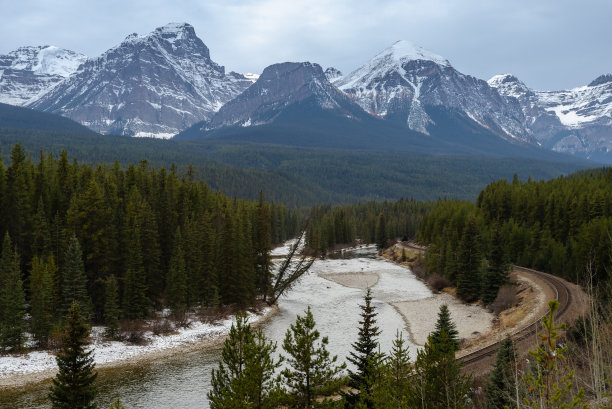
206	339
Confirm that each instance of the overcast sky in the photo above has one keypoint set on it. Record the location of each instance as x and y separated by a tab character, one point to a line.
549	44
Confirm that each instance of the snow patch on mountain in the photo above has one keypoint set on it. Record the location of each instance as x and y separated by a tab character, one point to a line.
28	72
152	85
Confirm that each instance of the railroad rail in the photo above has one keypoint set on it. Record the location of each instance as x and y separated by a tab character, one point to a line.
562	294
521	336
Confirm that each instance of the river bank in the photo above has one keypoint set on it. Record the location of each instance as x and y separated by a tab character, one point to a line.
37	366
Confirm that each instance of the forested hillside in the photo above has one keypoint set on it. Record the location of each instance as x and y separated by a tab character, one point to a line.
562	226
300	176
132	239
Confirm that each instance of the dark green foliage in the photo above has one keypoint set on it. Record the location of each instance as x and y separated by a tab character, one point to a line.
177	278
74	281
381	232
444	324
364	352
497	271
12	299
557	226
501	387
329	226
301	176
108	220
390	389
469	263
246	377
73	386
310	370
111	307
438	382
41	299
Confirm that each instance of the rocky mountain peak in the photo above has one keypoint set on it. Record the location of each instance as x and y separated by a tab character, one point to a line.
28	72
402	51
333	74
602	79
151	85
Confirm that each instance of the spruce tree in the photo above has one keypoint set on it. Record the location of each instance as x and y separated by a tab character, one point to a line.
177	278
501	388
497	271
135	300
364	350
469	262
310	369
111	307
12	299
74	281
445	324
73	386
41	301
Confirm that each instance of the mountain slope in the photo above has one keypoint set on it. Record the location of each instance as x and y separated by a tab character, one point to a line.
402	81
29	72
15	117
154	85
577	121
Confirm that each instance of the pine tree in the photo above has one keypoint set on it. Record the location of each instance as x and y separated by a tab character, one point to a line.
469	262
111	307
245	376
497	272
390	390
364	350
438	382
445	324
501	388
310	369
73	386
12	299
74	281
117	405
41	301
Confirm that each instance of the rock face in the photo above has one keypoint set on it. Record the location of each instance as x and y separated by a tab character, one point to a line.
280	86
403	81
153	85
29	72
333	74
577	121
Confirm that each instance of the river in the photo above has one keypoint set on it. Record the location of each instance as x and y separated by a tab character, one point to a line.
182	382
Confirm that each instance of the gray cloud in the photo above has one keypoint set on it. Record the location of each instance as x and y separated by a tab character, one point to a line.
549	44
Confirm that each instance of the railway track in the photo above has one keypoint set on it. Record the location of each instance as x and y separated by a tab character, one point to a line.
523	337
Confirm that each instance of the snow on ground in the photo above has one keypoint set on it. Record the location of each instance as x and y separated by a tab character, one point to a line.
109	352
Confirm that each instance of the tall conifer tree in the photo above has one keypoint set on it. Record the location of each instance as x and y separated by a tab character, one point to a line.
12	299
73	386
74	281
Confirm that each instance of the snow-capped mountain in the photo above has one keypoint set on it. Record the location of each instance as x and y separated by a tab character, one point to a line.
577	121
28	72
402	82
333	74
279	87
152	85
